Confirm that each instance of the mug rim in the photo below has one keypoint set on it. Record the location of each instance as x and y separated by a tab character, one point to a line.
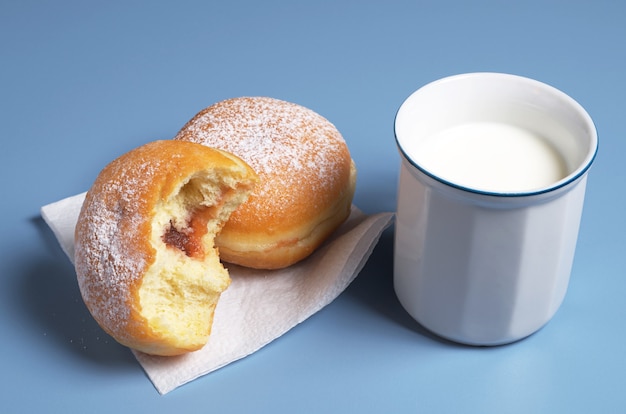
570	178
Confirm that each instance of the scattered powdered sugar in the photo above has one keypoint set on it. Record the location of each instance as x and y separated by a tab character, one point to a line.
294	146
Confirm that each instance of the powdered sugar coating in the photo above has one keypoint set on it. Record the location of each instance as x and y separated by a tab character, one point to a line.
111	225
299	155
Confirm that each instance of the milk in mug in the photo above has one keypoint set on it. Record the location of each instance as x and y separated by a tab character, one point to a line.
490	156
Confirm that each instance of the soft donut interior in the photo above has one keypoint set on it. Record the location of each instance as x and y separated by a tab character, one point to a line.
180	290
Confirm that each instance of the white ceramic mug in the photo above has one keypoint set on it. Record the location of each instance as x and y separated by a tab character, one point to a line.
484	248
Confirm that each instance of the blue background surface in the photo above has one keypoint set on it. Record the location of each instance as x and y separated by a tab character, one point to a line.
83	82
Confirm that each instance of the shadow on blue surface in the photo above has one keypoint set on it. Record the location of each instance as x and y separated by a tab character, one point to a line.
48	294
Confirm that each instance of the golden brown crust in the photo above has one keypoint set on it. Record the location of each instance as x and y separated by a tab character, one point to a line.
307	178
115	240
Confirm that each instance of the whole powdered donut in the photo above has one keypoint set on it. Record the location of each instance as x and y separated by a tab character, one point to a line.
307	178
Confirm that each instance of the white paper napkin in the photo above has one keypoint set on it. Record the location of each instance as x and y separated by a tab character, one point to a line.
260	305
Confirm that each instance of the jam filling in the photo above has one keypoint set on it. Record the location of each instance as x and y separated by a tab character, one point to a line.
189	239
